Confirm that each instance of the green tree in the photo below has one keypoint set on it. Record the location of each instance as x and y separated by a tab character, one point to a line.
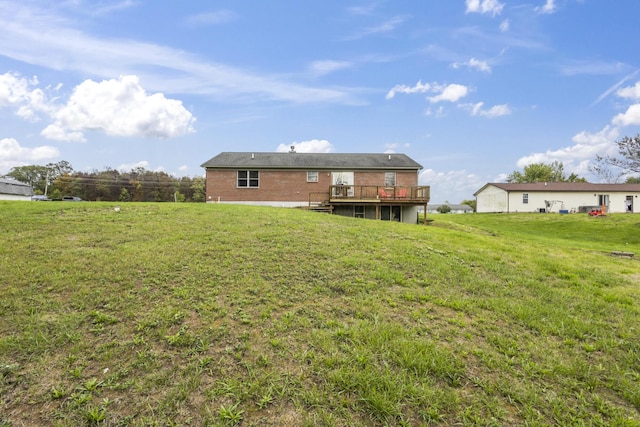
124	195
633	180
543	172
471	203
444	208
139	184
198	189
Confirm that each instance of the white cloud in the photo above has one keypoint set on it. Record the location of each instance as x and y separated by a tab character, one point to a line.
116	107
479	65
504	25
605	136
57	132
12	154
630	92
451	93
629	117
362	10
474	63
495	111
393	147
102	9
13	89
549	7
210	18
439	112
576	157
386	27
494	7
16	90
453	186
119	108
321	68
144	164
310	146
418	88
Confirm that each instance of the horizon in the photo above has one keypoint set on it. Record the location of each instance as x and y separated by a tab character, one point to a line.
470	89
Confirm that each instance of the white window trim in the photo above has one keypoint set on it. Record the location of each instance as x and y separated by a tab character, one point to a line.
310	174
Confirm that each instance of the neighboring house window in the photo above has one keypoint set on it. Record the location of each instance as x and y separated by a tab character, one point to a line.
390	179
248	179
312	176
525	198
358	211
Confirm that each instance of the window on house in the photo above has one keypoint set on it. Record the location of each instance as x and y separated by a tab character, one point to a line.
312	176
525	198
248	179
390	179
358	211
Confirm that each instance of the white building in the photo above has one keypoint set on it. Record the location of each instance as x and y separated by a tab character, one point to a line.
557	197
455	209
10	189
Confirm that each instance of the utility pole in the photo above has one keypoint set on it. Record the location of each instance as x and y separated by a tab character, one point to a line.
46	184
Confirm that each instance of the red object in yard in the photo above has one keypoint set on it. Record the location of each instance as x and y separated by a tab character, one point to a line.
595	212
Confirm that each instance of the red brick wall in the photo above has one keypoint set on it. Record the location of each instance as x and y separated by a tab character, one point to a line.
377	178
287	186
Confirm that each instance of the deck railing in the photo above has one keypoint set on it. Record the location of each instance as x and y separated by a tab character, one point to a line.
379	193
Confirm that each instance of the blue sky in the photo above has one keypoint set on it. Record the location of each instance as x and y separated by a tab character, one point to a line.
471	89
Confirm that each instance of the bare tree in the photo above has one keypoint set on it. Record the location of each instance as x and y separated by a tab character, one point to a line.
625	164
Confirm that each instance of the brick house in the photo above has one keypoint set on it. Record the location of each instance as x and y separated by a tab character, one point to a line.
375	186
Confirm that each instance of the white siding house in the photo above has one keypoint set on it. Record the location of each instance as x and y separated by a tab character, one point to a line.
557	197
10	189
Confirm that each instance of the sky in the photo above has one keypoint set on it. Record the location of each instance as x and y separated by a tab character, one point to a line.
473	90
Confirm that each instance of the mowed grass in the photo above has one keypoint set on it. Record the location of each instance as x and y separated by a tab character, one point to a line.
218	315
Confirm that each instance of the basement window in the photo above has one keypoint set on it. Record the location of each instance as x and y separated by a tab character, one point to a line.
248	179
525	198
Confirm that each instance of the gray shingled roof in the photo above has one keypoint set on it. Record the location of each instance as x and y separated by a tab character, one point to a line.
11	186
563	186
354	161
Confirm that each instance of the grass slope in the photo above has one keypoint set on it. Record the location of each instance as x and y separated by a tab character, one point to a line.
174	314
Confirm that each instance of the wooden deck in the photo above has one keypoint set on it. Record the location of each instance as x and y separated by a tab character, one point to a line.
371	194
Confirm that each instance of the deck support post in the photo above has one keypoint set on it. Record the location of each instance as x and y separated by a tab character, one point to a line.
425	214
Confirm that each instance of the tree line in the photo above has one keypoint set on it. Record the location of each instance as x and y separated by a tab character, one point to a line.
56	180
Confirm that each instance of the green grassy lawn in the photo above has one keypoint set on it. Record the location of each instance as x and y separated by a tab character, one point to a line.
218	315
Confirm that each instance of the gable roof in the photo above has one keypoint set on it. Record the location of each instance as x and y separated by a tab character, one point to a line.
11	186
292	160
562	186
